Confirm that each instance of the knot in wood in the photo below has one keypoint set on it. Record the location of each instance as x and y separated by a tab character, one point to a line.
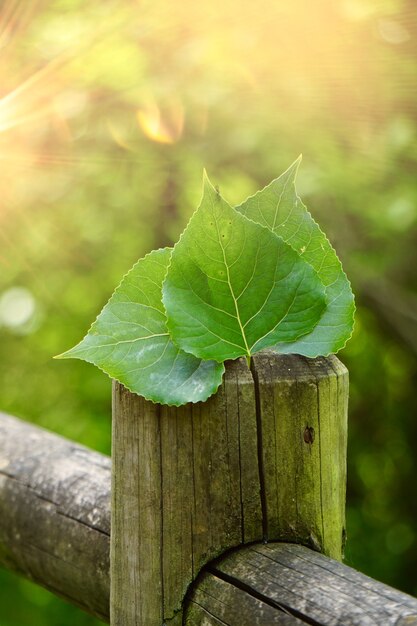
309	434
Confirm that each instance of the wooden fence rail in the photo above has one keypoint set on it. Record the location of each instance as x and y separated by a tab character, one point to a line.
55	513
55	530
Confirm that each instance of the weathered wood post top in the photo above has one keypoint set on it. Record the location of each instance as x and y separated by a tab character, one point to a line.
263	459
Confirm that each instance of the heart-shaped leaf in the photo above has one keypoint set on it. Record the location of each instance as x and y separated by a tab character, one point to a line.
130	342
233	287
278	208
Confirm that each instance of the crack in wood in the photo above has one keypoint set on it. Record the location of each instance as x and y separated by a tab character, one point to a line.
260	448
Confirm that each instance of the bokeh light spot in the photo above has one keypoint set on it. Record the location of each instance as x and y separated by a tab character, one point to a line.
393	32
17	307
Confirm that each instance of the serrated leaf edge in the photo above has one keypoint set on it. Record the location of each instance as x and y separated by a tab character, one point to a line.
151	398
295	165
206	181
68	355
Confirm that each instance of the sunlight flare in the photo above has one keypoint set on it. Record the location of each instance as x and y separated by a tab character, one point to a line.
167	128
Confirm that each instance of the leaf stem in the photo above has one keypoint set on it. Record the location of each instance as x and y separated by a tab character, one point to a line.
248	360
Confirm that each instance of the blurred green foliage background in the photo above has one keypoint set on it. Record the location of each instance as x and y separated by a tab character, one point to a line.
109	110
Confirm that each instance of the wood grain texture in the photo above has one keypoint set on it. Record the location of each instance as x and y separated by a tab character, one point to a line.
216	601
196	466
136	538
264	458
55	514
302	417
296	582
54	525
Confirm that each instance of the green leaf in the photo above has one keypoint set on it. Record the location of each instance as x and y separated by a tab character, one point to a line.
233	287
130	342
278	208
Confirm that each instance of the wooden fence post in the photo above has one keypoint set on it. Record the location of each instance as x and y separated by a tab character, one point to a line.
263	459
